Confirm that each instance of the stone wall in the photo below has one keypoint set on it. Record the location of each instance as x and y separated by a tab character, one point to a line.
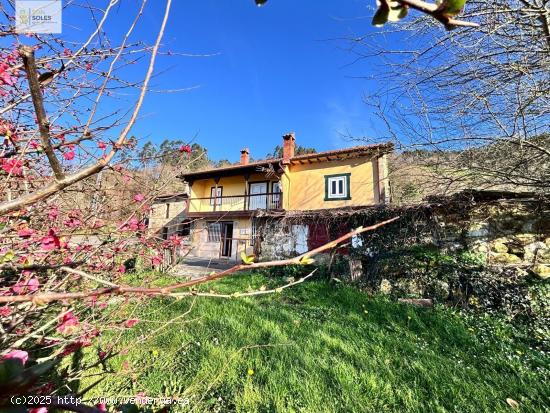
504	231
167	213
484	252
487	250
282	239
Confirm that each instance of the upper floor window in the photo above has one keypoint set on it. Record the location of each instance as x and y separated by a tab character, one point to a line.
275	196
337	187
216	195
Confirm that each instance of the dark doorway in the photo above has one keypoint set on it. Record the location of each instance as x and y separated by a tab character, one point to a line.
227	238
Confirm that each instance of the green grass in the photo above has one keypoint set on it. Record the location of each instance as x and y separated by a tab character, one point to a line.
316	347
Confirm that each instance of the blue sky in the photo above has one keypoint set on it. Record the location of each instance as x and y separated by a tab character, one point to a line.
275	71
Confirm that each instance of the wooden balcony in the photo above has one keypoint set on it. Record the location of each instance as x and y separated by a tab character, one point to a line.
235	205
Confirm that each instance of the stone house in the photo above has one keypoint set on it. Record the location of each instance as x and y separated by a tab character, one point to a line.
225	204
168	215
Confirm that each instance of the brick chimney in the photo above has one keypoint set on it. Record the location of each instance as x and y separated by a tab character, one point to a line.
245	158
289	143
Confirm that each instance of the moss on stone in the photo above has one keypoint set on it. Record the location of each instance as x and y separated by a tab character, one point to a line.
505	258
542	271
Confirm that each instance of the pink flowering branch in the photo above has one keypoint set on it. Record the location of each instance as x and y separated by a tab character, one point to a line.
63	182
43	298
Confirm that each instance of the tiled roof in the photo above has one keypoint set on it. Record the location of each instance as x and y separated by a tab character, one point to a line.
321	156
353	151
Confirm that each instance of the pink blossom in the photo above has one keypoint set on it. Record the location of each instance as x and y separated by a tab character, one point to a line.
102	145
68	323
26	286
67	52
89	66
12	166
132	224
69	156
25	232
101	354
175	240
38	410
33	284
17	354
53	213
131	322
157	260
121	269
139	197
5	311
75	346
185	148
72	222
18	288
6	128
101	406
51	241
6	78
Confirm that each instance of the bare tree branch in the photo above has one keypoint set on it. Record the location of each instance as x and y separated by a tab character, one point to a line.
42	298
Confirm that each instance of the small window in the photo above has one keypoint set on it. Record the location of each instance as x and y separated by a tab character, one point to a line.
214	231
337	187
167	210
184	229
164	232
216	197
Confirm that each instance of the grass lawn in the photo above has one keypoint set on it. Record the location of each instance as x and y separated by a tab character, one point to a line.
316	347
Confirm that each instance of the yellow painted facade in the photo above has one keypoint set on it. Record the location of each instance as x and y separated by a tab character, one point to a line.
302	185
305	185
232	187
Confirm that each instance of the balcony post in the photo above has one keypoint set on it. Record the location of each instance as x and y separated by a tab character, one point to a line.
188	206
216	181
245	200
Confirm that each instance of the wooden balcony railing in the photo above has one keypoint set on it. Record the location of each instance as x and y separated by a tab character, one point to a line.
271	200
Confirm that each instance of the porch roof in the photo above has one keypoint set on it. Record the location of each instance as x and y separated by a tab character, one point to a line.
231	170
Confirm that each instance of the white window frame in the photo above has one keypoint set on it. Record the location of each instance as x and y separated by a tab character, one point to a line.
334	182
218	198
253	231
213	231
